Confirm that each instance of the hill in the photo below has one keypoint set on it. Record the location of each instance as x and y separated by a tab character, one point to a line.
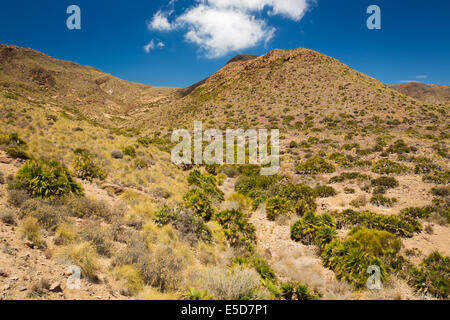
288	90
429	93
69	86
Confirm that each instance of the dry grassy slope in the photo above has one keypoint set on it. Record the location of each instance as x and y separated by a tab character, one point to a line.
58	139
84	89
429	93
297	84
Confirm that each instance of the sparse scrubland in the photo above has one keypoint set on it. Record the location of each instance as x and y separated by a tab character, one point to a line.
364	181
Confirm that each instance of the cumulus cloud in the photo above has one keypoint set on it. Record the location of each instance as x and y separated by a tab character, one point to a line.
160	22
222	30
222	26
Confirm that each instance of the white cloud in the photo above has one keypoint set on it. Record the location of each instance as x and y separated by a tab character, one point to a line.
222	30
219	27
152	46
160	22
422	76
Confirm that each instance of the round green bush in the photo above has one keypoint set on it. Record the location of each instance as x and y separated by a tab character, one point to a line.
277	206
198	201
46	178
314	166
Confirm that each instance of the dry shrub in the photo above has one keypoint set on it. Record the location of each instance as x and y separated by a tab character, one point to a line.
39	288
130	278
65	233
48	214
359	201
83	207
17	197
299	265
160	267
8	216
233	284
100	236
82	255
31	231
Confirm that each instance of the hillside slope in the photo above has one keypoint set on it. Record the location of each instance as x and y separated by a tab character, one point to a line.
288	90
80	89
429	93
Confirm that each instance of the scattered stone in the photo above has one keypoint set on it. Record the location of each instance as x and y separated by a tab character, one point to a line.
55	287
117	154
29	244
4	274
113	187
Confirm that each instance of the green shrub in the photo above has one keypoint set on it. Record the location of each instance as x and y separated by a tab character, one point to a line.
212	169
400	225
86	169
263	269
207	183
385	182
350	262
197	295
342	160
376	242
144	141
386	166
304	205
17	153
291	291
46	178
277	206
129	151
238	230
399	147
441	191
348	190
349	176
314	166
425	166
325	191
433	276
437	177
381	201
426	212
200	202
255	185
307	229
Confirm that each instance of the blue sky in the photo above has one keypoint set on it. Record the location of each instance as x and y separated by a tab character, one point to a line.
189	40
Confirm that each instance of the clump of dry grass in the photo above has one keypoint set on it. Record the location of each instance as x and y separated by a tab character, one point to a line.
39	288
31	231
65	233
8	216
160	267
130	278
238	283
359	201
82	255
